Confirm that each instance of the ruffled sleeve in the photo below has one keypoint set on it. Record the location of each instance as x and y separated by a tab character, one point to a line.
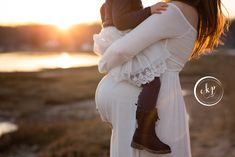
155	28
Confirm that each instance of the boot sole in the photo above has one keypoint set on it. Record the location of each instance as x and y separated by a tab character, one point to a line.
141	147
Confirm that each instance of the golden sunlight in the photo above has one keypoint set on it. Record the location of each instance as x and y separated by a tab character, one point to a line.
62	13
63	26
36	61
64	61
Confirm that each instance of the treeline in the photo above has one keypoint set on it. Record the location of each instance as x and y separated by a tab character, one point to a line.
46	37
77	38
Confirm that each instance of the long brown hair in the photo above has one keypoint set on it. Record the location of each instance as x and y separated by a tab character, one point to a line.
211	24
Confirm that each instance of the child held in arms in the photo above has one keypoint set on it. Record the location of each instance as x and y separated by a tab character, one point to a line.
118	18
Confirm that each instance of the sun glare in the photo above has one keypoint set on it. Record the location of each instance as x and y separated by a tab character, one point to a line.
62	13
63	26
64	61
36	61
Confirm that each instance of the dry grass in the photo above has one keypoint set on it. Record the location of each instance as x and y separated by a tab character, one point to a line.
30	91
26	94
212	129
89	138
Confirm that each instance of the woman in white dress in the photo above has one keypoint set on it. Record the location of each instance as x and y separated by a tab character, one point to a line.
179	34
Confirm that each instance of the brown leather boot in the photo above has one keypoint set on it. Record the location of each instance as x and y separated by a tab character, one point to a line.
145	136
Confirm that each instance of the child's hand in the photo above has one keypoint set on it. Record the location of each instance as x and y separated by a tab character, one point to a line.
158	7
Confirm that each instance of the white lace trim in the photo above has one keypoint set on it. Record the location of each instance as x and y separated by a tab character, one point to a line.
143	76
148	74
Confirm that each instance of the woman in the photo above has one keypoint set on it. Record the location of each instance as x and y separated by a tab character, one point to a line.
186	29
119	17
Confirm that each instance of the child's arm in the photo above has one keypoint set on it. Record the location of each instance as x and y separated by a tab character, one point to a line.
107	10
101	40
124	17
102	13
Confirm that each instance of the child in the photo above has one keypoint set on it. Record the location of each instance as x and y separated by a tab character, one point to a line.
118	17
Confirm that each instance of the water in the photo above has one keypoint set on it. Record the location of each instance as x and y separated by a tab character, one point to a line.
7	127
36	61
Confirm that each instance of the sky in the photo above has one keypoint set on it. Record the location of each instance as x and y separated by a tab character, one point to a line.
62	13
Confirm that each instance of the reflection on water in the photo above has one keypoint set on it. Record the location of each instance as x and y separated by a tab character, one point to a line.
35	61
7	127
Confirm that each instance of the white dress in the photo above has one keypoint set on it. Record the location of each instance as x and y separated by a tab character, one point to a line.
115	100
135	70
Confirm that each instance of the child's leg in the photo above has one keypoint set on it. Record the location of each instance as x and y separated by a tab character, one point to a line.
146	114
149	94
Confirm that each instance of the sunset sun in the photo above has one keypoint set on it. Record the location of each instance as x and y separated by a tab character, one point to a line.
62	13
63	26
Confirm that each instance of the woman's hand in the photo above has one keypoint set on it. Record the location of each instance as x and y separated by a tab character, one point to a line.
158	7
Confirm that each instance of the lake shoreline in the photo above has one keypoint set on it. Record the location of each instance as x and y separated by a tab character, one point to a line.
37	61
